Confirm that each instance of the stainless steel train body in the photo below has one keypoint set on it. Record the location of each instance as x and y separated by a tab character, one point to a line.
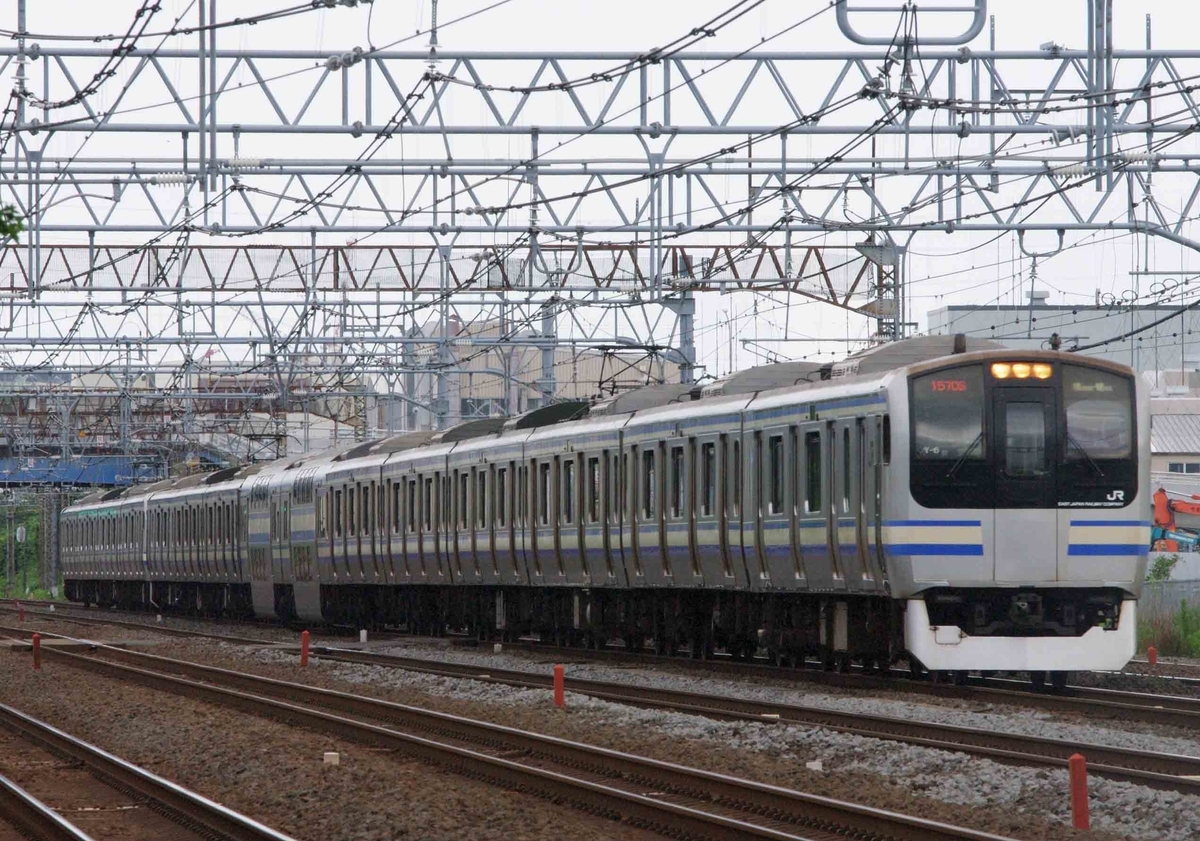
975	508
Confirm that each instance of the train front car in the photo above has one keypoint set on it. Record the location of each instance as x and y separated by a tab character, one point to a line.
1024	533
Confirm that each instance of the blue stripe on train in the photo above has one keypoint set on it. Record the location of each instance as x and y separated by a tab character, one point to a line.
1109	523
975	549
1107	549
933	523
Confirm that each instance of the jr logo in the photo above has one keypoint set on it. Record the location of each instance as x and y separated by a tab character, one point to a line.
1116	496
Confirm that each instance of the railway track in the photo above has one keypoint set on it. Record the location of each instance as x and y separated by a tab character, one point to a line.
74	791
1163	771
672	799
1180	711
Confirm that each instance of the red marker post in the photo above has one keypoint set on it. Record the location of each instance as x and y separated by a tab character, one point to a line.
1152	655
304	648
1079	792
37	652
559	691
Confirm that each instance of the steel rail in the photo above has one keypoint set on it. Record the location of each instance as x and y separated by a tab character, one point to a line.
661	796
1172	772
1176	710
34	818
204	817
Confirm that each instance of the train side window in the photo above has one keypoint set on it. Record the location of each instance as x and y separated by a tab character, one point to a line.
735	472
339	522
677	486
411	502
649	483
846	470
481	509
812	472
367	510
775	474
887	439
397	510
708	479
543	492
593	490
521	494
500	493
568	494
427	504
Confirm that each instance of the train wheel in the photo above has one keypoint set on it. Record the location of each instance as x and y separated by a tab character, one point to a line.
961	677
1038	679
1059	680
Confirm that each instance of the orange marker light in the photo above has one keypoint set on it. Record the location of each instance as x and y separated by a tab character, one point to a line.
1001	370
1042	371
1022	370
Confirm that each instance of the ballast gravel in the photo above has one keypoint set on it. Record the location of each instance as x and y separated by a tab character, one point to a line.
1022	802
275	773
1001	718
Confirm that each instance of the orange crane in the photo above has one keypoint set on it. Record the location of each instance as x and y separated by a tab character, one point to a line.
1165	536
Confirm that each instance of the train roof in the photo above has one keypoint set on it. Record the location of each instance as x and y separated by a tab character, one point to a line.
654	402
882	358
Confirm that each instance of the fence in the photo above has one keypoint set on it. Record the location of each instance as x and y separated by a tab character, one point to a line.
1160	599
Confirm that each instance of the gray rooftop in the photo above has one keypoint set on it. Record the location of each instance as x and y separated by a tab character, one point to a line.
1175	434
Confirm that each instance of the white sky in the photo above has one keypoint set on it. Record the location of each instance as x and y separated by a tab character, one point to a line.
943	269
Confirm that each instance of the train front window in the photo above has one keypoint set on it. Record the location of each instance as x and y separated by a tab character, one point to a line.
1024	440
1099	409
947	416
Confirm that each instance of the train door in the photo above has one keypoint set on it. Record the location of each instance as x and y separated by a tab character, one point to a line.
610	543
1025	432
679	534
374	536
571	515
779	567
640	469
619	513
845	501
870	448
541	519
526	506
441	522
817	532
593	518
503	516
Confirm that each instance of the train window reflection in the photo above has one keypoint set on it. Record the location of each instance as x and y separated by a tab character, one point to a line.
1024	439
649	482
775	471
677	501
812	472
947	415
708	479
1099	409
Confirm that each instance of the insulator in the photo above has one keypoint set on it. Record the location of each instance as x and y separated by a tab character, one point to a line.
1072	170
164	178
1140	156
245	163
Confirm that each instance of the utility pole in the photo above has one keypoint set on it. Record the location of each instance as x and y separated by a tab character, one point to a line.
11	538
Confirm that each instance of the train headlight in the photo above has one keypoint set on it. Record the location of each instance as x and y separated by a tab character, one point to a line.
1001	370
1022	370
1042	370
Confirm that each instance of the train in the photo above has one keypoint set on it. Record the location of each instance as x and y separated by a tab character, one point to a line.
939	501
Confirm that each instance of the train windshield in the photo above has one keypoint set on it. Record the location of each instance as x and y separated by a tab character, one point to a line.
1022	435
1099	409
947	413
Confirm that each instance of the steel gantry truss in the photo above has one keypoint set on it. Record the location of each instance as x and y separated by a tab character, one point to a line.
336	222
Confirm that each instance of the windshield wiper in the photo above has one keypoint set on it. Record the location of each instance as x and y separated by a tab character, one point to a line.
1087	457
966	454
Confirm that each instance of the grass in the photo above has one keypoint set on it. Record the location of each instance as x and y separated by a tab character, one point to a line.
26	584
1175	636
